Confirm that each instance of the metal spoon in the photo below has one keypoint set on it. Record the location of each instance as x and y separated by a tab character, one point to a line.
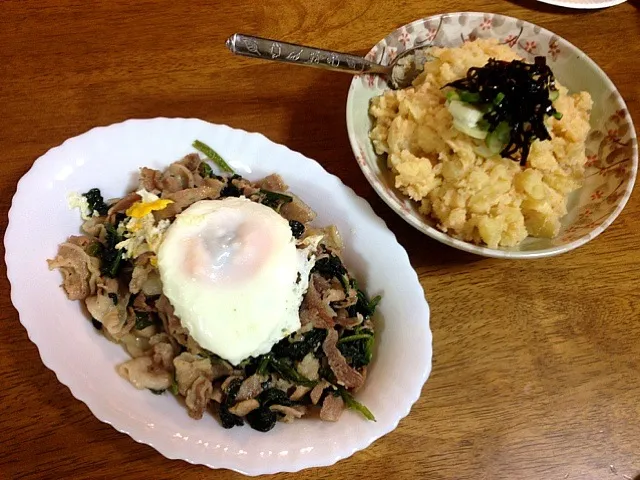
399	74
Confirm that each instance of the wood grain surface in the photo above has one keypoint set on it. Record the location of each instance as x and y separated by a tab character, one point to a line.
537	366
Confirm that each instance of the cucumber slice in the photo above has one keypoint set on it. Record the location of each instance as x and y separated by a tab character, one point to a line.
497	139
452	95
553	95
473	132
469	97
464	113
482	150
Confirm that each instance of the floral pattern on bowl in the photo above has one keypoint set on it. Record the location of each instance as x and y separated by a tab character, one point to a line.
612	148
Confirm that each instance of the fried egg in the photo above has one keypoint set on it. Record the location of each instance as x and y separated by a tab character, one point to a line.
234	276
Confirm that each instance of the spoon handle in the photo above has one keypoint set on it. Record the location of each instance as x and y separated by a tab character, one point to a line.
267	49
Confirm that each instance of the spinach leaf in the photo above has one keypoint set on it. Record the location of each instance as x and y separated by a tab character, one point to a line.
364	306
326	373
254	365
95	249
228	419
310	341
174	386
230	190
357	348
212	155
262	419
286	371
143	320
330	267
263	365
111	256
274	200
96	202
210	355
205	170
353	404
297	228
274	396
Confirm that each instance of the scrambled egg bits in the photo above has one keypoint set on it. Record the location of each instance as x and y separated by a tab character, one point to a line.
75	200
140	231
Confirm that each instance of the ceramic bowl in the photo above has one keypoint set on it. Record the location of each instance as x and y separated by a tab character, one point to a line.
611	147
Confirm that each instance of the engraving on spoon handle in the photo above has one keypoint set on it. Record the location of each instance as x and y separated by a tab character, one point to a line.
267	49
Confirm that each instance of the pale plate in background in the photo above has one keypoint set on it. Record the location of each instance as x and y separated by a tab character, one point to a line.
584	4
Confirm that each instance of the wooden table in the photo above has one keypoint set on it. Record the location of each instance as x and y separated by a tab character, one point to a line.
536	369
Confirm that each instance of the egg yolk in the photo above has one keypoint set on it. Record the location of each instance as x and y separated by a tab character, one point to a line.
140	209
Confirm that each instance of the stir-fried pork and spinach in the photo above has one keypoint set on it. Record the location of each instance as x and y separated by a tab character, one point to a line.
112	268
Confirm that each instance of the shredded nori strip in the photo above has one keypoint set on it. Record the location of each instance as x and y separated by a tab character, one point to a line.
518	93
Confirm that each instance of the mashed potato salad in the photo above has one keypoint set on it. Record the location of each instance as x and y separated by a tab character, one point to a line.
222	293
457	146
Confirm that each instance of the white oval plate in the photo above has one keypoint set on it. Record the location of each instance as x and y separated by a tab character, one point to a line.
109	158
583	3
